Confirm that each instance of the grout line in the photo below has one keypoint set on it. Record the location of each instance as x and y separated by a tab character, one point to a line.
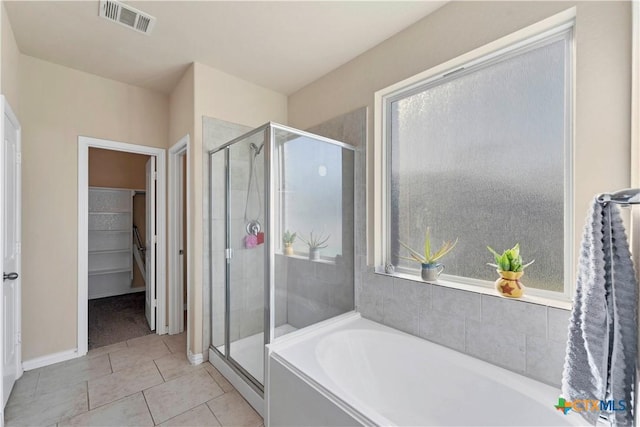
526	350
546	331
464	335
211	410
35	391
164	380
144	396
110	364
88	399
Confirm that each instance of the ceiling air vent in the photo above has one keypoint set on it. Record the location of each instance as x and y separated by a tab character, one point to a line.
126	15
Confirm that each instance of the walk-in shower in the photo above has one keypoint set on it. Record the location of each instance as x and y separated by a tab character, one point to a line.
272	180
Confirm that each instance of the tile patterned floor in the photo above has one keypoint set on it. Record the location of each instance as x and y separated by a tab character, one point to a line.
144	381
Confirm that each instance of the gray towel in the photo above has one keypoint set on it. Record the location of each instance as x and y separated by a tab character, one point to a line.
600	363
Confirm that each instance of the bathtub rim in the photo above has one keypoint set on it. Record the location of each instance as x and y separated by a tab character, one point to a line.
361	411
296	337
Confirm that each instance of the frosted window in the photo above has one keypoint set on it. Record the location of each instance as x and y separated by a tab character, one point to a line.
311	190
479	155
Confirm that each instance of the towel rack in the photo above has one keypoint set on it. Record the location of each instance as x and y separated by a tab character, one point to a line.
626	197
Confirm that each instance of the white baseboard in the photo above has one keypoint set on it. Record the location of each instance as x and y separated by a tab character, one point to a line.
49	359
195	359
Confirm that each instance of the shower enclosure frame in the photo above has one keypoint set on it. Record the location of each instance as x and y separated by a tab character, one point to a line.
270	190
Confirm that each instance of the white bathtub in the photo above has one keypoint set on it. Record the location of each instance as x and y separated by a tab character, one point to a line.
352	371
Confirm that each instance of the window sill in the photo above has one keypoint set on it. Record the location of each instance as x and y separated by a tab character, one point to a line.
330	261
532	299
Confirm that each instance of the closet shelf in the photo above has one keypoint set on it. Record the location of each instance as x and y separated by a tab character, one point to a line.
108	213
110	241
110	251
109	271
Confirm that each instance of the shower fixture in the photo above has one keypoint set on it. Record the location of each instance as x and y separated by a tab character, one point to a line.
253	226
256	148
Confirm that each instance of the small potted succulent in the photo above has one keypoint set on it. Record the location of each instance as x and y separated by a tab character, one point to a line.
287	240
510	268
431	269
315	243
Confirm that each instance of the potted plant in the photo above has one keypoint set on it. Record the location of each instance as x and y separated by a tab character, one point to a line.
510	268
431	269
287	240
315	243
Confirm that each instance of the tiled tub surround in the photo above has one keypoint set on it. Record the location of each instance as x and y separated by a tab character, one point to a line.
524	337
319	378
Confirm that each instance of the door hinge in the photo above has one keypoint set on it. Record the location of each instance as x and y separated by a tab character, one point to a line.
154	303
18	337
18	247
180	252
154	239
19	157
228	253
155	175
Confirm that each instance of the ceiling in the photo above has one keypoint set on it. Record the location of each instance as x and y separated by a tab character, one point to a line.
279	45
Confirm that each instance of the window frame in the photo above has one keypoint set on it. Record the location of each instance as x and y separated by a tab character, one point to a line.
560	26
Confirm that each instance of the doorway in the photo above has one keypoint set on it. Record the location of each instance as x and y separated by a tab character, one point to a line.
155	185
121	212
179	229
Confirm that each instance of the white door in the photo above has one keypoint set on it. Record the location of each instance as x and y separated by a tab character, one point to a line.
150	237
181	238
10	214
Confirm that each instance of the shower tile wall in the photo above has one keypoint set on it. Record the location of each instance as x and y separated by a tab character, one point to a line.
465	321
248	265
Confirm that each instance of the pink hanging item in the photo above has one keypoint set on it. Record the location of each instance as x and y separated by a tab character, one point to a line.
250	241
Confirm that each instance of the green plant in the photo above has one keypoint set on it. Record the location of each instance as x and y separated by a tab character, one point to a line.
428	257
509	260
318	241
288	238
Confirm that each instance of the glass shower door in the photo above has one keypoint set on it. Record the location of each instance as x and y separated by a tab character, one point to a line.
246	228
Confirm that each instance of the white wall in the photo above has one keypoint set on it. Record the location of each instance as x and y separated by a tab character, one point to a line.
57	105
9	57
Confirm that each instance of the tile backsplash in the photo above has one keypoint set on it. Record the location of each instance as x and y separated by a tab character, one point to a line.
523	337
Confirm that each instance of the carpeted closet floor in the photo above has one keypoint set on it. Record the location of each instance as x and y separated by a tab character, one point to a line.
116	319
